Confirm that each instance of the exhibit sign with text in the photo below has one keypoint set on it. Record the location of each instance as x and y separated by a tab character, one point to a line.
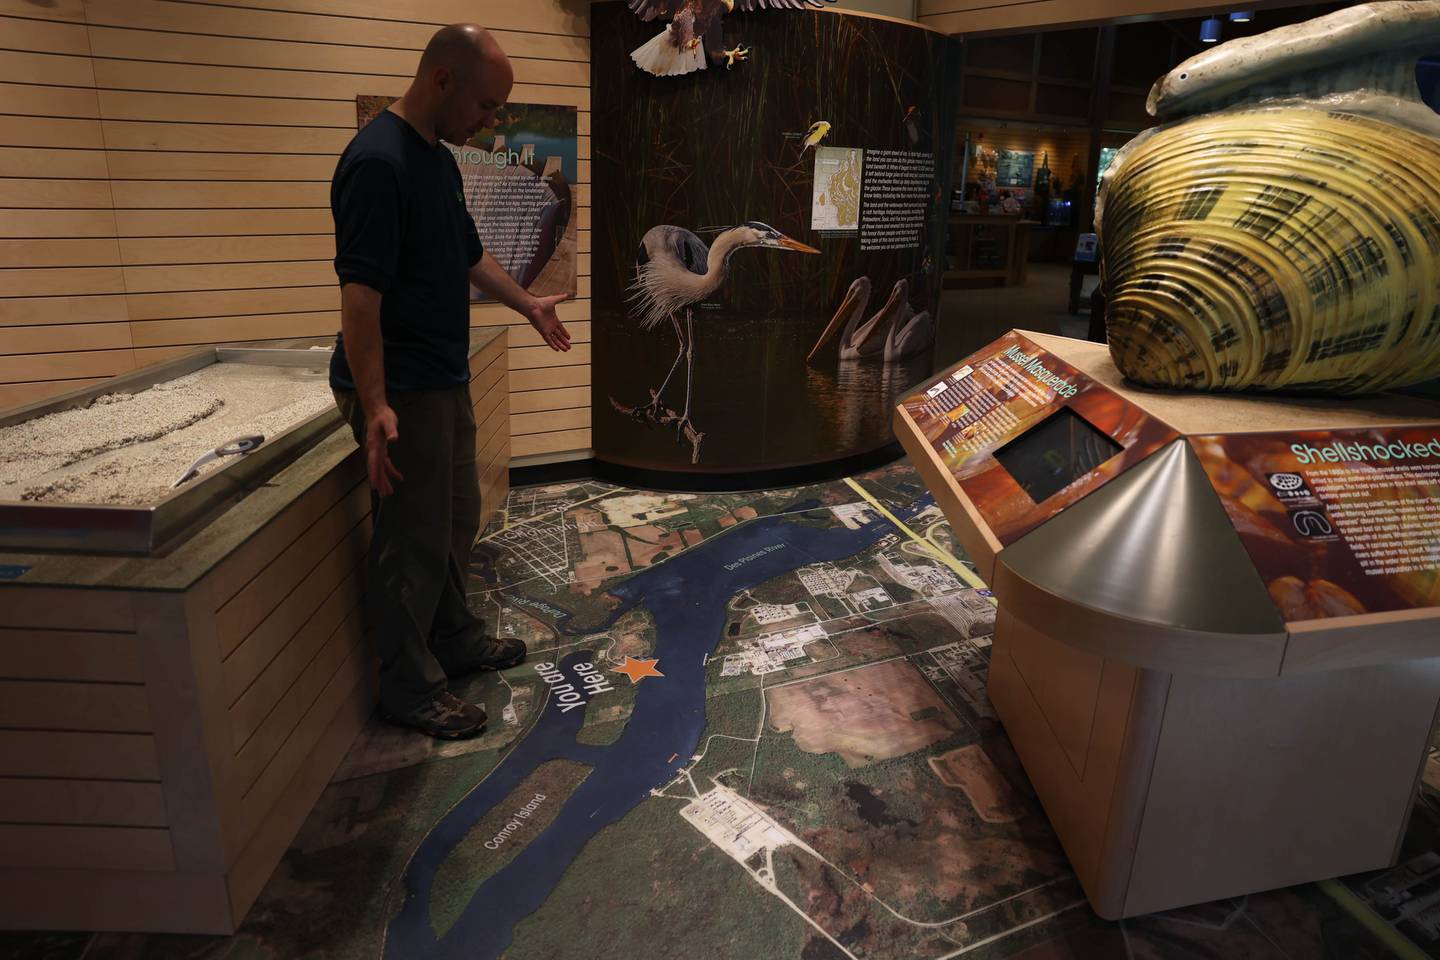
896	197
1338	522
519	181
1026	435
1014	168
768	241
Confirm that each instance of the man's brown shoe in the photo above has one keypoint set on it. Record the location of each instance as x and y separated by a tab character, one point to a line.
487	653
443	716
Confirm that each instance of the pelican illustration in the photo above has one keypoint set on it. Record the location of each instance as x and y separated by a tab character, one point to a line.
895	332
692	40
674	269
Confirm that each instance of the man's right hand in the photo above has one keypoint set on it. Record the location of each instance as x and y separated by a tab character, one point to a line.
381	428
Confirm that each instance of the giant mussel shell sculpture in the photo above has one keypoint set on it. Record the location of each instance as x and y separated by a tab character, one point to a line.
1285	234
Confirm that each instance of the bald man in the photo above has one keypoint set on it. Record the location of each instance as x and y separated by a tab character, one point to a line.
406	251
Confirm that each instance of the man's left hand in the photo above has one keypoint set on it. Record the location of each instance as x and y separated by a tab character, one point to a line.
541	315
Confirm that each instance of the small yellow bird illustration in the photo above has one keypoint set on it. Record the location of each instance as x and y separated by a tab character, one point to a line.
812	137
815	134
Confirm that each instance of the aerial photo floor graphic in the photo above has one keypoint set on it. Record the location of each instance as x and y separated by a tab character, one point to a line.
751	726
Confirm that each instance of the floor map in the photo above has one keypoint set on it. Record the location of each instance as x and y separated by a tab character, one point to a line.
751	726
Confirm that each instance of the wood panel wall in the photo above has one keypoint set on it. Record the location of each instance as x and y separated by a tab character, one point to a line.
964	17
164	180
895	9
489	374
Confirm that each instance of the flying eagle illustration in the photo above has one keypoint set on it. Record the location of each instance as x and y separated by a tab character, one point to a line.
693	38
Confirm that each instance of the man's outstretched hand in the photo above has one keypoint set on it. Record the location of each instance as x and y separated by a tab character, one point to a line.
541	315
380	430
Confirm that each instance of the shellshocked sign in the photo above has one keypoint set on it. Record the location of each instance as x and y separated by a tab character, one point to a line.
1337	522
1026	435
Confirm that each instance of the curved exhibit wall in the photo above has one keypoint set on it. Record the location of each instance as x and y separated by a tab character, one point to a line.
833	141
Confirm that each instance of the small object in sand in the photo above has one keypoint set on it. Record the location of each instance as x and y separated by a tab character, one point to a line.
238	446
127	449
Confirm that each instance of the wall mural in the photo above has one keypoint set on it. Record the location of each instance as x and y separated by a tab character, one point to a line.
764	275
518	188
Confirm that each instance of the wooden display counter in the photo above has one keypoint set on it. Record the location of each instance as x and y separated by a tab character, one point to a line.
1217	651
987	250
167	722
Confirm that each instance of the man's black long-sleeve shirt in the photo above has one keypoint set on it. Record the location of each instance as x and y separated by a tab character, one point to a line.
402	228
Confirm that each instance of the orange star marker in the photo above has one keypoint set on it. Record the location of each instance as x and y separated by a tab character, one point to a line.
638	670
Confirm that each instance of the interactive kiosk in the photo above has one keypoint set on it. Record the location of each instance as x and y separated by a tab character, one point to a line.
1218	643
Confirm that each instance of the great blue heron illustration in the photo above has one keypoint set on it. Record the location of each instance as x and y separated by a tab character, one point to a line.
674	269
693	35
896	332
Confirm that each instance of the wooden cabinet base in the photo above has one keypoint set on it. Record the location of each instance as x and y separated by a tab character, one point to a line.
197	903
1174	789
168	722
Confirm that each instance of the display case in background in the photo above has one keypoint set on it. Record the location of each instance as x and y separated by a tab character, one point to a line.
987	250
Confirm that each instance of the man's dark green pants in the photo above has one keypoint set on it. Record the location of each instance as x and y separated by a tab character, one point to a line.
421	541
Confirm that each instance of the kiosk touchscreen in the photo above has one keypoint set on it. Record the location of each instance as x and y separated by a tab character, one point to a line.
1218	636
1055	453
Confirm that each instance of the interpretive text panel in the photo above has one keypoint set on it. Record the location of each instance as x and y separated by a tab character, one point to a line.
984	420
1339	522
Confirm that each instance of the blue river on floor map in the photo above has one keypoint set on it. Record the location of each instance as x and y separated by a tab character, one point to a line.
687	596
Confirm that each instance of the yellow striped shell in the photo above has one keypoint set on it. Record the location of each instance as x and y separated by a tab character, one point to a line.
1281	243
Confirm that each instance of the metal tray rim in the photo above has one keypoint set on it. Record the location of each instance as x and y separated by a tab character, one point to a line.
148	528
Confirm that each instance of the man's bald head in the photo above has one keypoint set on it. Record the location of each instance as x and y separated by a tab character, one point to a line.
464	49
463	80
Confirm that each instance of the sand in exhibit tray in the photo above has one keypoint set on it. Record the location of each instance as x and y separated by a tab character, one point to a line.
129	449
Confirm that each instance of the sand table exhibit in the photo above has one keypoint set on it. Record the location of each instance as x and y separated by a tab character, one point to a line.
130	448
